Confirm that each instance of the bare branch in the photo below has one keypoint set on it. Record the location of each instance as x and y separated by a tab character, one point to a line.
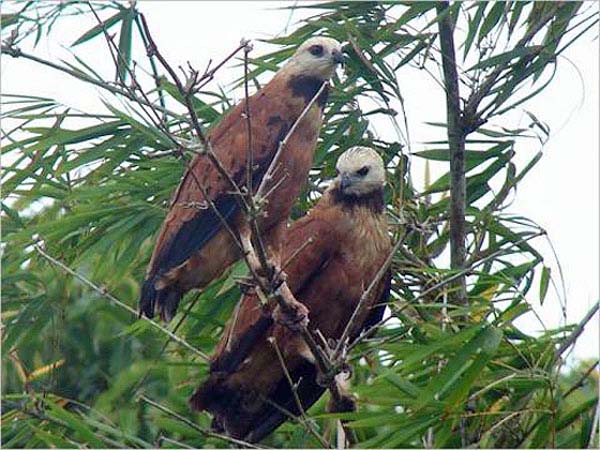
577	331
104	293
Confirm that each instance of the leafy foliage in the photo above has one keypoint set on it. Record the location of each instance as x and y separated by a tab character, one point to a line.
92	190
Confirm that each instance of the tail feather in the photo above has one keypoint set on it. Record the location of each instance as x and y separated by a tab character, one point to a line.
166	300
271	417
212	395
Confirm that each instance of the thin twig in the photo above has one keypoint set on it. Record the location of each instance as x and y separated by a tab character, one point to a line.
250	150
294	388
577	331
283	143
196	427
579	383
365	295
103	292
296	252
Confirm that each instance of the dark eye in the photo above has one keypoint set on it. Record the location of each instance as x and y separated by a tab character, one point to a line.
316	50
362	171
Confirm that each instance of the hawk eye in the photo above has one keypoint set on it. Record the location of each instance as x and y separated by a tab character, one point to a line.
316	50
362	171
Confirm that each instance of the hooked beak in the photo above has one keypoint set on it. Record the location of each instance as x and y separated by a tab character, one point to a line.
345	181
337	56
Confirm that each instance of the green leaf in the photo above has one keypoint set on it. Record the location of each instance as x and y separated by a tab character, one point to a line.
75	422
569	416
7	20
99	28
506	57
474	26
415	10
470	155
124	54
53	440
544	282
491	19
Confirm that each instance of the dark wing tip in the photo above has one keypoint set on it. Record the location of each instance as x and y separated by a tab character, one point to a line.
271	417
166	299
212	396
147	298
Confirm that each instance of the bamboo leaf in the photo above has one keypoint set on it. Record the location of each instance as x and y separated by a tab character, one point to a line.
97	29
544	282
506	57
124	54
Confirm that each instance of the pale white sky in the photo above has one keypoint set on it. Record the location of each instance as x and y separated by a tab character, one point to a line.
561	193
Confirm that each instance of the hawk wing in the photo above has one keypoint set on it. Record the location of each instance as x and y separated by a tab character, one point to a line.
204	201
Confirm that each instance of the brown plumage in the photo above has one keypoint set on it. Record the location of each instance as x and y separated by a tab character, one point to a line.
348	243
193	246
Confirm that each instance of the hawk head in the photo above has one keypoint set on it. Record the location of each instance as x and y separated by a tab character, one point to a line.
360	171
316	57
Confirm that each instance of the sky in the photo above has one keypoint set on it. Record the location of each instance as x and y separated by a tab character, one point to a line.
561	194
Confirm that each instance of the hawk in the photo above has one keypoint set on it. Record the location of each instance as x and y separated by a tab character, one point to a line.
330	256
197	240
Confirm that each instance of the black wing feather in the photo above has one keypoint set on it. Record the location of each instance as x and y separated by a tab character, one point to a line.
271	417
193	236
197	232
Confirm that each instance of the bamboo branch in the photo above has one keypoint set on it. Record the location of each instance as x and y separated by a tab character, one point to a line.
118	58
456	142
580	381
577	331
447	281
16	52
471	116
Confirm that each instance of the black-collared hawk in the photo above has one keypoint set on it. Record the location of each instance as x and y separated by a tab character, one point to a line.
331	255
195	244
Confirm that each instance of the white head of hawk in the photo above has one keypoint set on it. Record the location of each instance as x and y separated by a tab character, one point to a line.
360	171
317	57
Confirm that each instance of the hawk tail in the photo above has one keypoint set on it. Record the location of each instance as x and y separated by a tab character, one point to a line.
166	299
